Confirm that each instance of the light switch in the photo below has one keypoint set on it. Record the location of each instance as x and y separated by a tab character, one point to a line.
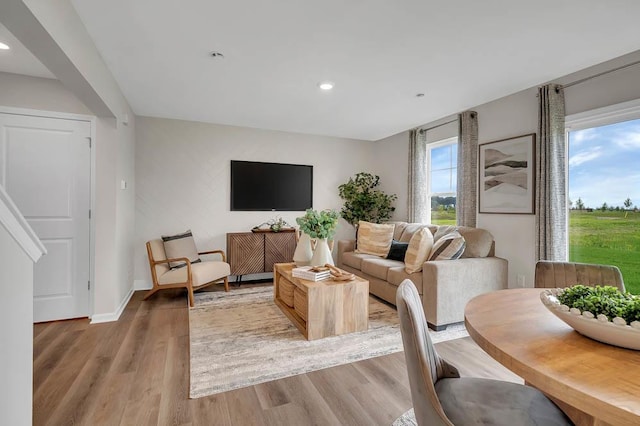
123	184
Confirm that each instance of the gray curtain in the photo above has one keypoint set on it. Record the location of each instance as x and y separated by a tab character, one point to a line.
417	202
466	197
551	197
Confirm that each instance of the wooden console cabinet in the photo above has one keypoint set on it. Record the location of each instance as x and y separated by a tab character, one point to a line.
257	252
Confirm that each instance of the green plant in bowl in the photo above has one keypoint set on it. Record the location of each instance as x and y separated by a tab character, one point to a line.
602	300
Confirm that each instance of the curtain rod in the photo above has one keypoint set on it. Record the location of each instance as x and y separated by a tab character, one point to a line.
437	125
582	80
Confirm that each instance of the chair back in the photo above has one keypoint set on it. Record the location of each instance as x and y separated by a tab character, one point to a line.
155	252
424	366
565	274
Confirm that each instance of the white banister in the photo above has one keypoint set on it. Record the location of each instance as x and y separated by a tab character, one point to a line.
16	225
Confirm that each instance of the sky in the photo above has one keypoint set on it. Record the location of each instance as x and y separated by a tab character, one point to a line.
604	164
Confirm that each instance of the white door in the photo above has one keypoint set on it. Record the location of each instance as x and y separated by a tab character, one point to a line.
45	168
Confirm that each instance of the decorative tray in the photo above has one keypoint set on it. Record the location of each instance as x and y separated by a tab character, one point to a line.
617	333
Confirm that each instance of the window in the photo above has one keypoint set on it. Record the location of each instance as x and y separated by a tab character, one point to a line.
442	164
604	194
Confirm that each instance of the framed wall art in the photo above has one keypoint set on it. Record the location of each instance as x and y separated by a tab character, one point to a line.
507	175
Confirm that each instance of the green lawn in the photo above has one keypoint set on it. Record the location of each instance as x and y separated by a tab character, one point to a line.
609	238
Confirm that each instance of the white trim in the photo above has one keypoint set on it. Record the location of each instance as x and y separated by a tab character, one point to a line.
624	111
17	226
142	285
113	316
45	114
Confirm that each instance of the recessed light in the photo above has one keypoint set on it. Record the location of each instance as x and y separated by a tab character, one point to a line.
326	85
4	46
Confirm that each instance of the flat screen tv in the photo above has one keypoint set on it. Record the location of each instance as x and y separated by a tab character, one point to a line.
257	186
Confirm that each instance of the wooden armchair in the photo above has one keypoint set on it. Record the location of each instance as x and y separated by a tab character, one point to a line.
193	276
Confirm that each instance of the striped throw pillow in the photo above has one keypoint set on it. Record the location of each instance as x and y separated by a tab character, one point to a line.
448	247
418	250
181	245
374	238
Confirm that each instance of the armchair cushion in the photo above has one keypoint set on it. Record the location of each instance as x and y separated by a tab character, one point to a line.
181	245
201	273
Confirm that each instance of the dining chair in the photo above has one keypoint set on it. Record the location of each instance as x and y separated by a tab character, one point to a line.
550	274
441	397
194	275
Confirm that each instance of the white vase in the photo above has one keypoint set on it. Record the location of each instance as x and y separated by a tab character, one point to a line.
321	254
303	253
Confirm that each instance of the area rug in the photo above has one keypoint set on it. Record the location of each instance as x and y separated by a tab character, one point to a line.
241	338
407	419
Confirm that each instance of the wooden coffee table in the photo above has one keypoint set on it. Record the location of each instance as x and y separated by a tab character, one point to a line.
323	308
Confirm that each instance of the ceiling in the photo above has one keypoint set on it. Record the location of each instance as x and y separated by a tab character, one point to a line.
19	60
379	54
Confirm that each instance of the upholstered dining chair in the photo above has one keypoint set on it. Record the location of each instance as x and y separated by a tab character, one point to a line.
565	274
441	397
189	273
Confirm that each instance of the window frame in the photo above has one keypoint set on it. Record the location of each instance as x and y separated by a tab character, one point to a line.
611	114
430	146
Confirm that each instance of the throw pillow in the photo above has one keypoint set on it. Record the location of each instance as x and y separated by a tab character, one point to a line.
418	250
448	247
397	250
181	245
374	238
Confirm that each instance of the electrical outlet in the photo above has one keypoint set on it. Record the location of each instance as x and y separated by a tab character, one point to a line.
520	279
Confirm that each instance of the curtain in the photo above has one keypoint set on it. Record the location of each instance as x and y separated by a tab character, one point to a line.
417	202
551	197
467	186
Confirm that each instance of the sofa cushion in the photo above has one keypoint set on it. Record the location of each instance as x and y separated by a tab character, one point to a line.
409	231
378	268
398	229
398	274
448	247
374	238
478	241
181	245
397	250
418	250
354	260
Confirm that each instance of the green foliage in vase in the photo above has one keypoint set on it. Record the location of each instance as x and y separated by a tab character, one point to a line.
362	201
604	300
319	224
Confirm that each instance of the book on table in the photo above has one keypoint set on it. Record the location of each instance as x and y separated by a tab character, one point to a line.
306	273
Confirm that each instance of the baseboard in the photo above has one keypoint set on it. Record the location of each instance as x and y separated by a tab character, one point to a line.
112	316
142	285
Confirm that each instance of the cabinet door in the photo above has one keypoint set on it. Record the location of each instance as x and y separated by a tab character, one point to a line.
245	251
278	248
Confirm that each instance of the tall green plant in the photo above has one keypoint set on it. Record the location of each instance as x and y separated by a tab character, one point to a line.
362	201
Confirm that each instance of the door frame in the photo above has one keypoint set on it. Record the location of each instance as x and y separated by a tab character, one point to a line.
92	177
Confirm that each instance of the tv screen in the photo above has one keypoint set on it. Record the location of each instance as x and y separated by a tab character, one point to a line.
257	186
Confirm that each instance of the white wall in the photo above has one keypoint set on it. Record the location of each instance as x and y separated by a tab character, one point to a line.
512	116
183	172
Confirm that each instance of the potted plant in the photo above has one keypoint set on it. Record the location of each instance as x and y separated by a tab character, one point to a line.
319	225
362	201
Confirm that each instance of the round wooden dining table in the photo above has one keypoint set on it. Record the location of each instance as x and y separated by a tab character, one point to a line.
594	383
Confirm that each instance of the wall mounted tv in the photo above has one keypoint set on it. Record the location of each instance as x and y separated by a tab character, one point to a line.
257	186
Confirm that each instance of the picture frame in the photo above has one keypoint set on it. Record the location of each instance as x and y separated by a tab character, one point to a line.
506	184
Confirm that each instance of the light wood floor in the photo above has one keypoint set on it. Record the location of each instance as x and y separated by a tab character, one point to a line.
136	372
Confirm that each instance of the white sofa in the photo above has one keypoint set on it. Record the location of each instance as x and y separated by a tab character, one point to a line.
445	286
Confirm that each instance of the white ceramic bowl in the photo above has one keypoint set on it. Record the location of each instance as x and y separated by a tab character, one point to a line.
599	329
